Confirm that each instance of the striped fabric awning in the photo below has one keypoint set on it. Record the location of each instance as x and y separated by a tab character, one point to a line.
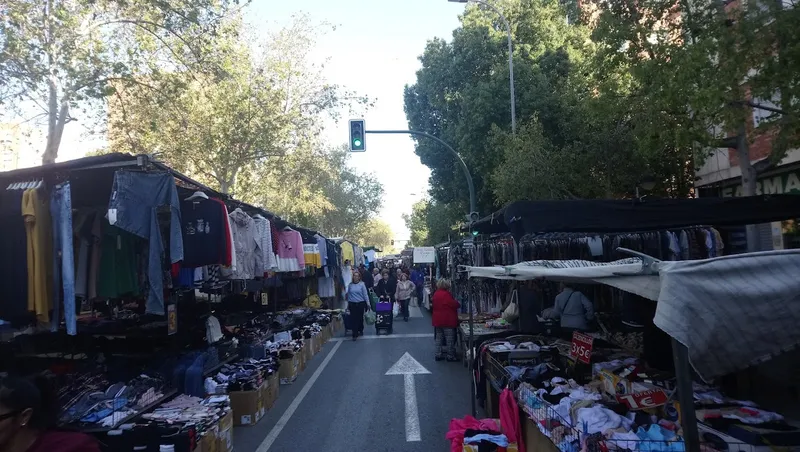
731	312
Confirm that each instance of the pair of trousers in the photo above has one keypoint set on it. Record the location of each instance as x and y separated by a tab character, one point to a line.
133	207
357	317
445	342
63	258
404	307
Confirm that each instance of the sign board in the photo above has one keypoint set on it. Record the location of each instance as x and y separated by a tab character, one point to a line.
581	347
172	319
643	400
424	255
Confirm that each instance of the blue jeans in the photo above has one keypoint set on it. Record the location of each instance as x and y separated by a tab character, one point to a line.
64	271
135	199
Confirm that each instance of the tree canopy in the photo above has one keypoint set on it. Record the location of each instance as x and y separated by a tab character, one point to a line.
254	130
58	56
605	96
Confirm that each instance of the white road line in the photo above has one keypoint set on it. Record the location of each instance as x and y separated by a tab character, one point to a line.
390	336
276	430
412	413
407	366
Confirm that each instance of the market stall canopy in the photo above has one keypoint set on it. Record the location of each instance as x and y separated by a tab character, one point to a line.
730	312
533	217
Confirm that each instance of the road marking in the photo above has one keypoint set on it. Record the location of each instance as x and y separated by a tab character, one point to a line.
276	430
390	336
408	367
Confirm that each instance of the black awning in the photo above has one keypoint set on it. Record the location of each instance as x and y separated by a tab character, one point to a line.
534	217
529	217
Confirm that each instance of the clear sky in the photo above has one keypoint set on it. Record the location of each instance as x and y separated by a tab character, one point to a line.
374	51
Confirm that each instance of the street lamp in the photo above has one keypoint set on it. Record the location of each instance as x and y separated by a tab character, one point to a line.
510	58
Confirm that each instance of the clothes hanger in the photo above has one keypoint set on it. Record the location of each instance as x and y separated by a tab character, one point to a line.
197	195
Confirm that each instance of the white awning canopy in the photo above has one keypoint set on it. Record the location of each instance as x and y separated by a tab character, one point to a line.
730	312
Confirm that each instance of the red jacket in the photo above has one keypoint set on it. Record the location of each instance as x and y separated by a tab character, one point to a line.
445	310
64	442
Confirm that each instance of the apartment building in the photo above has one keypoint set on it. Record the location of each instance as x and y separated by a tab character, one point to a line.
20	146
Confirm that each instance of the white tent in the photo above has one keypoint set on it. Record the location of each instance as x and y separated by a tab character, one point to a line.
730	312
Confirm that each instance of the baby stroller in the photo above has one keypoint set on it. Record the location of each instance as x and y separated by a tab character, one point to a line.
384	315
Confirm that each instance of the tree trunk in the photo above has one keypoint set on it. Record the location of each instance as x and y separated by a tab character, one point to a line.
748	182
56	120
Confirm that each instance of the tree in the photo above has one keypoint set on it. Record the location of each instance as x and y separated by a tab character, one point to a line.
56	56
577	144
695	69
416	222
266	103
374	232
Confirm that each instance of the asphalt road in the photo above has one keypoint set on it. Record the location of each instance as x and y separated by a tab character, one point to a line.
345	402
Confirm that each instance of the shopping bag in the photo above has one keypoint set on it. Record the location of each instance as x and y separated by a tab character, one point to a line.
396	309
369	317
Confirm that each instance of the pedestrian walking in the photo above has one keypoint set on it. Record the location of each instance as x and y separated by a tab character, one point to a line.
357	304
405	289
445	321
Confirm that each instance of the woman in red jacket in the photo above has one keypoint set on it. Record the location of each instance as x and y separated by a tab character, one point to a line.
445	321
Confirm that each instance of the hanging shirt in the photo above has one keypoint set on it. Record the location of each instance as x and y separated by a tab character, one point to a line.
290	251
203	232
266	261
311	255
347	253
244	244
322	244
39	229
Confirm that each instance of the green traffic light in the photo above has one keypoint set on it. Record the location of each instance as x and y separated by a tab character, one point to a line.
475	233
356	142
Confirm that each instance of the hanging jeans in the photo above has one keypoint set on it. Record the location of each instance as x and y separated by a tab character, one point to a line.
135	199
64	271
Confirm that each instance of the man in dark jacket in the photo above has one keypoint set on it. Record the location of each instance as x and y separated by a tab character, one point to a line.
366	276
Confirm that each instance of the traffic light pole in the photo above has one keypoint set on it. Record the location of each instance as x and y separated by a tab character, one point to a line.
473	211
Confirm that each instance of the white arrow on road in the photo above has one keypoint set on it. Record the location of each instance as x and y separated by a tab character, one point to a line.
408	367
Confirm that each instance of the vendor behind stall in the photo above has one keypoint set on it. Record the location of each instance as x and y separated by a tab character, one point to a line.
574	309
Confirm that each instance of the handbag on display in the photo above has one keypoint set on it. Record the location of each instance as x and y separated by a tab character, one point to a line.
511	312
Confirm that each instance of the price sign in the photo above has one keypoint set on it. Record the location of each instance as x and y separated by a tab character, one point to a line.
264	299
643	400
172	319
581	347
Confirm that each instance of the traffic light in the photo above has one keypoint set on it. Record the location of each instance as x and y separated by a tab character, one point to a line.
357	136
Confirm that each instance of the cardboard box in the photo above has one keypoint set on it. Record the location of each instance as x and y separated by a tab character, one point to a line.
316	342
208	442
613	384
225	441
308	350
247	407
271	389
225	435
289	369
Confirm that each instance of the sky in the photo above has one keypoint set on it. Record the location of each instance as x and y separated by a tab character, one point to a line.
373	51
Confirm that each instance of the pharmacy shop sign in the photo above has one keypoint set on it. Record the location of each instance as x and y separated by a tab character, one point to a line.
786	183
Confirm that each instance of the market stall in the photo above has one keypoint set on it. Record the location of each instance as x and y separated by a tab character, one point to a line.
163	311
724	314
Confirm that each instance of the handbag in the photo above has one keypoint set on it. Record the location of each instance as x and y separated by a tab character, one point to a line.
511	313
369	317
